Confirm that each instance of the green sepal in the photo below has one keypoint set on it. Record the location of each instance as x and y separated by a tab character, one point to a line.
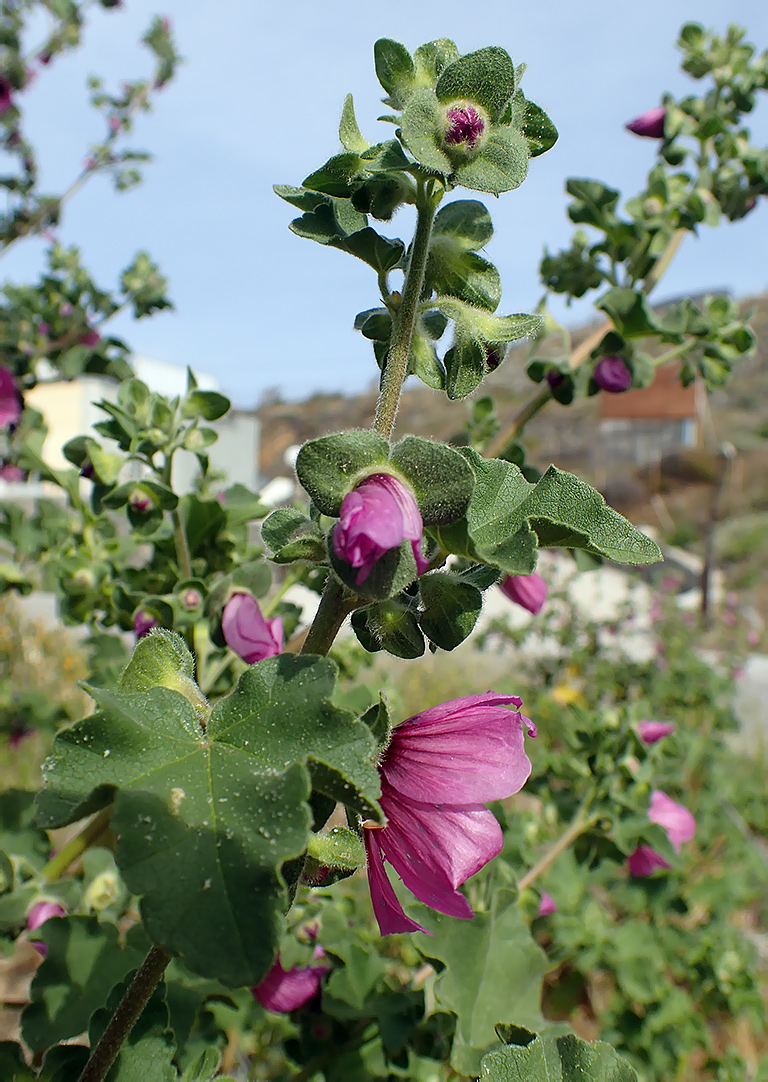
292	536
421	124
485	326
501	165
424	363
339	848
451	607
210	405
438	475
556	1059
378	252
350	136
395	570
377	720
391	626
164	497
327	467
539	131
465	367
486	77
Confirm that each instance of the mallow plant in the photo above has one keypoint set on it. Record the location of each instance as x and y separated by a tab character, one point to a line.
207	909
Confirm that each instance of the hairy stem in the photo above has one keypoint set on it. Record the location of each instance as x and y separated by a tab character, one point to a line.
331	613
580	823
396	366
577	358
182	545
75	848
127	1014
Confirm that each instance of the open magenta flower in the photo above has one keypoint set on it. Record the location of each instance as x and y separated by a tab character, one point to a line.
651	731
679	825
284	990
612	374
530	591
437	772
39	914
247	632
376	516
10	399
650	124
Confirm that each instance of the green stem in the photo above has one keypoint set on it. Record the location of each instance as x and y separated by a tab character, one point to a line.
396	367
331	613
270	604
182	545
127	1014
581	822
75	848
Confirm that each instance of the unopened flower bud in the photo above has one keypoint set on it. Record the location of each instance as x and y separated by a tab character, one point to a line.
376	516
39	914
141	501
466	125
143	622
650	124
102	892
529	591
191	598
547	905
612	374
247	632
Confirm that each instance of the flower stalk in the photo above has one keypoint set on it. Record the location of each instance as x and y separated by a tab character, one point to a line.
88	836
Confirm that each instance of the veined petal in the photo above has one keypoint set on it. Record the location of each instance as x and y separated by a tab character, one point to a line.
387	910
435	848
464	752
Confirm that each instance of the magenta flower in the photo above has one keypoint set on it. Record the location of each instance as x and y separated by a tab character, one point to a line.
376	516
247	632
39	914
465	125
10	399
141	502
10	473
679	825
651	731
753	637
650	124
530	591
644	861
547	905
143	622
437	772
284	990
611	374
92	337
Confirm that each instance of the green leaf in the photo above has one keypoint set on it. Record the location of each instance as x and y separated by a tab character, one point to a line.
629	311
484	326
493	971
466	221
378	252
465	367
83	954
203	1068
451	608
225	808
453	270
394	69
486	77
210	405
353	983
595	202
538	129
438	475
148	1050
334	178
557	1059
291	536
19	837
431	59
12	1063
501	165
327	467
350	136
161	659
424	363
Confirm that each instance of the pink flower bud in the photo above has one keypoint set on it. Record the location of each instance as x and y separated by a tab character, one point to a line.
465	125
10	473
91	338
530	591
652	731
284	990
729	619
378	515
555	379
644	861
650	124
753	638
141	501
6	96
115	124
547	905
191	598
247	632
39	914
611	374
143	622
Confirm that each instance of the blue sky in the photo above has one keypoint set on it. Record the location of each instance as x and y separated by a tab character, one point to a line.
257	102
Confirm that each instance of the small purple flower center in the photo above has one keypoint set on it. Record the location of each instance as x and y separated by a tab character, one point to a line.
466	126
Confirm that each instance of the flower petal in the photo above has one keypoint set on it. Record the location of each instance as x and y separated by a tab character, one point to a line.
284	990
387	910
644	861
466	751
678	822
435	848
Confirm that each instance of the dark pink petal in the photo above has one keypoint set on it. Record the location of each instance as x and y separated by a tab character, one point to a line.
612	374
375	517
285	990
651	731
247	633
434	848
678	822
644	861
529	591
39	914
10	399
466	751
387	910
